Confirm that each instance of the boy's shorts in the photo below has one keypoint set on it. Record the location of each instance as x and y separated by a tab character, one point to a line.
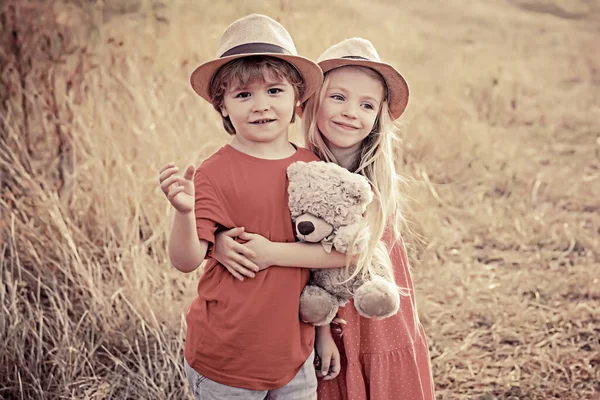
302	387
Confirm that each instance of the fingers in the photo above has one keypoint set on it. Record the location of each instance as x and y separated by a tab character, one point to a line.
239	269
325	361
165	167
234	273
234	232
167	171
338	321
244	251
189	172
247	236
243	270
167	183
335	367
317	365
168	176
245	263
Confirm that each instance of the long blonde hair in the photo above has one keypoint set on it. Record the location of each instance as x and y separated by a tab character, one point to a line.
376	163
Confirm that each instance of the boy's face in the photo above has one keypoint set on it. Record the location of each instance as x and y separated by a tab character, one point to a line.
261	111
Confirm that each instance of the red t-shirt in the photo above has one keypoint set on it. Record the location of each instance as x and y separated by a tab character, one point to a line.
247	333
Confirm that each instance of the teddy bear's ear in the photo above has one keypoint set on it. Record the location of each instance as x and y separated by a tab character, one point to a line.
294	169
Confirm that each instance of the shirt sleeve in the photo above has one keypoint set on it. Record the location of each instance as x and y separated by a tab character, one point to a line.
208	209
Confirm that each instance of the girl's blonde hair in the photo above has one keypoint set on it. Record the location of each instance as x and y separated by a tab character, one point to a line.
376	163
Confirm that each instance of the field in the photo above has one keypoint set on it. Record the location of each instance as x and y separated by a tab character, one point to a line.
501	153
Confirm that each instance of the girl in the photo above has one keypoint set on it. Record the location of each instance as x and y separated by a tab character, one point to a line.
350	122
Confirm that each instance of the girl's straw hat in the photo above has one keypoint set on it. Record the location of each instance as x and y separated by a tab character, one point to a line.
256	35
360	52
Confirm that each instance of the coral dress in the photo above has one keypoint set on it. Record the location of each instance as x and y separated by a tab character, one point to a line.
383	359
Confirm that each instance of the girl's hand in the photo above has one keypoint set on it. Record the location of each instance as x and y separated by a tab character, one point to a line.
328	366
233	255
178	190
261	247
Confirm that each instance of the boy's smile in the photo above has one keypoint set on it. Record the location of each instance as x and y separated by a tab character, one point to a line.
262	121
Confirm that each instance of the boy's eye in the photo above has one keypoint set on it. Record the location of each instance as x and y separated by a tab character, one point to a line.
337	97
275	90
242	95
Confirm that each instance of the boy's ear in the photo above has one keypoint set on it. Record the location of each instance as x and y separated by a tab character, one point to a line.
224	112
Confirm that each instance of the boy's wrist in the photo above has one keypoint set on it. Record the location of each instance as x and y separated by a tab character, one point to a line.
183	213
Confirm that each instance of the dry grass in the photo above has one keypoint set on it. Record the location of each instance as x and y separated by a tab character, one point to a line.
502	141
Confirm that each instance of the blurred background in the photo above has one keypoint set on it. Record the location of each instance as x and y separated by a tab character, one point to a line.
501	153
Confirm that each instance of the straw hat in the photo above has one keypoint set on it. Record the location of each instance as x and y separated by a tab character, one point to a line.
360	52
256	35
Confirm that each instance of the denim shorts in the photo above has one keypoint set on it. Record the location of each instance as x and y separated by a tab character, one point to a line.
302	387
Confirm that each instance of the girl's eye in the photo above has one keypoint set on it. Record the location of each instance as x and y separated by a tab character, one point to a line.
337	97
275	90
368	106
243	95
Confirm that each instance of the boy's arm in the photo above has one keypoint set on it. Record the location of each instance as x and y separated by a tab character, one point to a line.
185	250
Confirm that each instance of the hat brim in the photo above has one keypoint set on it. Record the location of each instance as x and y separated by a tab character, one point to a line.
310	71
397	86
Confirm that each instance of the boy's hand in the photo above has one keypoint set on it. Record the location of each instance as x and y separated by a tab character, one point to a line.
233	255
328	366
178	190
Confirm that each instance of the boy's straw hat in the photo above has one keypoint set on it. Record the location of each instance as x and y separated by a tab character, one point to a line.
256	35
360	52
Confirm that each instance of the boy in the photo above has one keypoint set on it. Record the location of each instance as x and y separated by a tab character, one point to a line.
244	338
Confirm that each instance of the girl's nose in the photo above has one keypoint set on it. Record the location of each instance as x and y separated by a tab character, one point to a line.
349	111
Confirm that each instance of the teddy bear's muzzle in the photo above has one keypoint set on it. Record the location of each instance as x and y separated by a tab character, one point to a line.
312	229
306	228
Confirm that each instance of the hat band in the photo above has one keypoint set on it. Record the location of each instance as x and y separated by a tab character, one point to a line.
357	58
255	48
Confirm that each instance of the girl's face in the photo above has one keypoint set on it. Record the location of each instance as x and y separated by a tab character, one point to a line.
349	109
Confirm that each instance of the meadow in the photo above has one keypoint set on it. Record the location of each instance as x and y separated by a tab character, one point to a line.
500	151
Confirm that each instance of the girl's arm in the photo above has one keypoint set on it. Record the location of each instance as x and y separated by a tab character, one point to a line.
259	253
296	254
329	355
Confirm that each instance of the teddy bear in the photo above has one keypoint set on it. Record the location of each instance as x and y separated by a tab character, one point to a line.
327	203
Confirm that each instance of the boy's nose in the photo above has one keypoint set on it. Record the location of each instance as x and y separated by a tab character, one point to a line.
306	228
261	104
260	108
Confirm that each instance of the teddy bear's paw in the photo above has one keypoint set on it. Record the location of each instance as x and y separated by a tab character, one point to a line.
377	298
317	306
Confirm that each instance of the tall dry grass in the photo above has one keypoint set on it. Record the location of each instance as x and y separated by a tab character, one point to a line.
501	143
